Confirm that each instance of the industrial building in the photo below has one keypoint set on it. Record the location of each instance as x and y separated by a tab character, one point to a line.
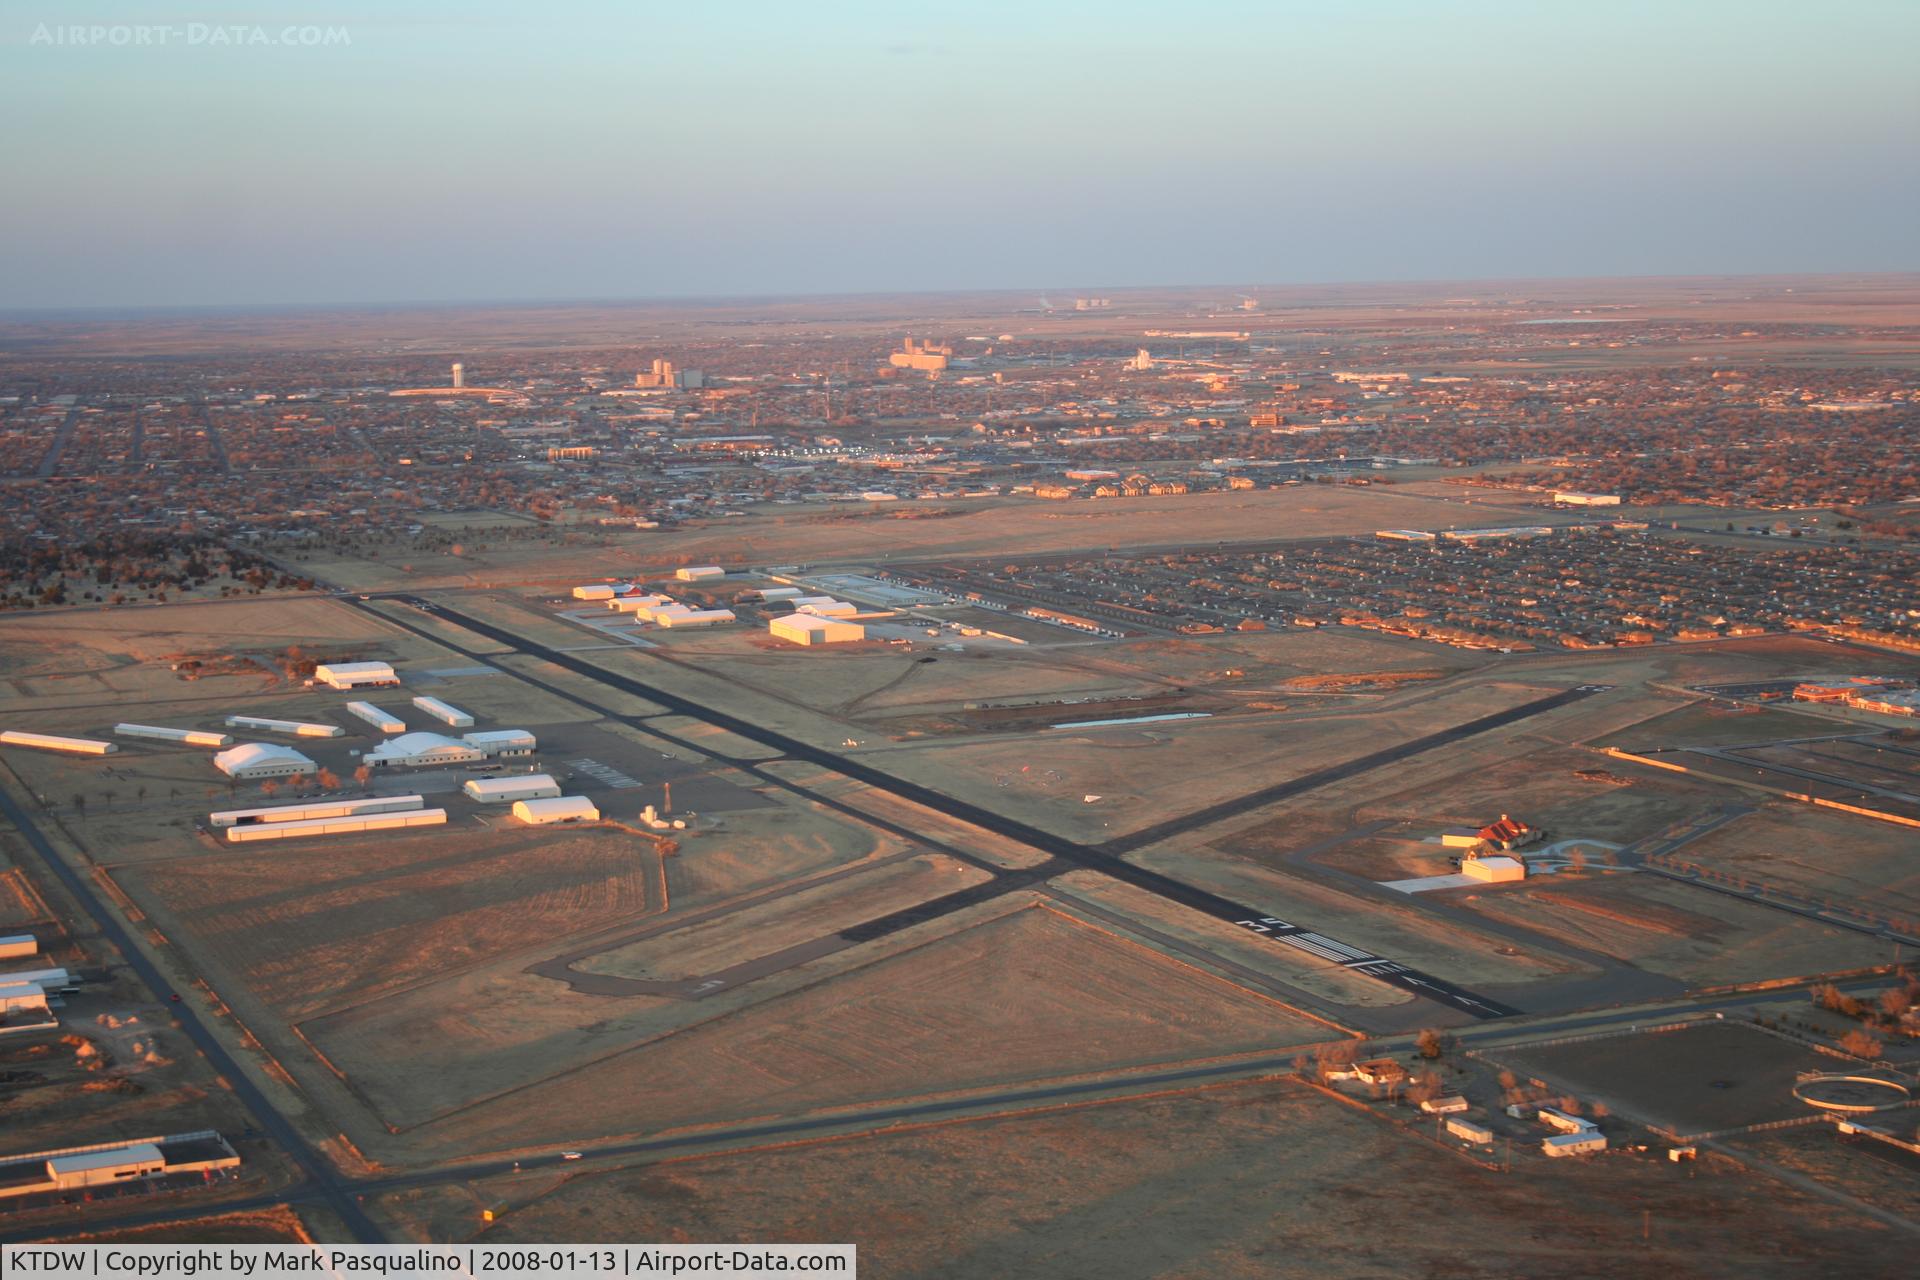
355	675
923	356
23	1009
502	742
1569	498
317	809
420	750
598	591
699	573
185	737
15	945
526	786
555	809
111	1164
444	712
298	728
252	761
806	628
1404	535
384	721
54	742
347	824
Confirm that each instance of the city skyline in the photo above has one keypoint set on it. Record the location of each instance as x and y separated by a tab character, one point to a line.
449	155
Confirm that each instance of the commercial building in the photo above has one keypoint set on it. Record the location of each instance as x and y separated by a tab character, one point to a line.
699	573
526	786
1404	535
1568	498
346	824
444	712
384	721
355	675
667	376
185	737
253	761
805	628
318	809
419	750
54	742
502	742
113	1164
555	809
298	728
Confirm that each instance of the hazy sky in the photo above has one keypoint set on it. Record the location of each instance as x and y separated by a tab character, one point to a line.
478	150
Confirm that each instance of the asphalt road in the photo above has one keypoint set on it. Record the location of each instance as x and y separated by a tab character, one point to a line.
270	1120
1099	858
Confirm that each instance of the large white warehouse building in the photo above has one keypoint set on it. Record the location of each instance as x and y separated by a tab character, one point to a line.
419	750
502	742
298	728
185	737
555	809
525	786
54	742
318	809
355	675
806	628
251	761
384	721
345	824
445	712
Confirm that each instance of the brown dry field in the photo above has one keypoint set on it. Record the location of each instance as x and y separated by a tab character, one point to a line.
309	927
1024	995
702	949
978	527
1708	726
1819	854
1690	934
279	1225
1257	1180
1148	773
1720	1075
